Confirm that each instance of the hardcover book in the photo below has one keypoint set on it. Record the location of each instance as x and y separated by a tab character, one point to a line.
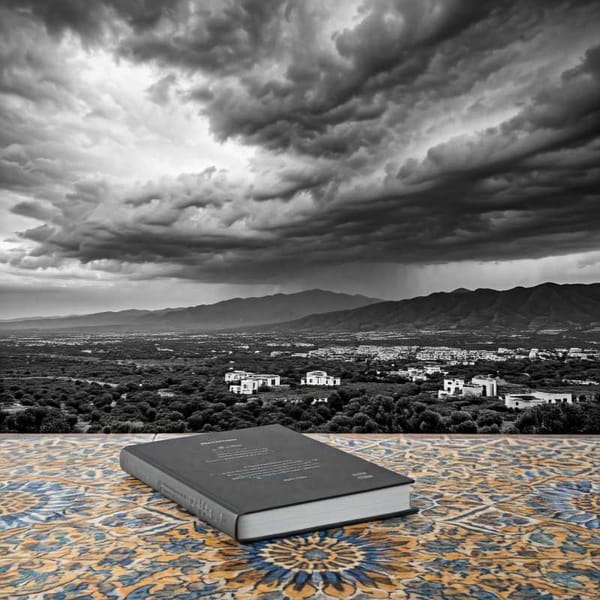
268	481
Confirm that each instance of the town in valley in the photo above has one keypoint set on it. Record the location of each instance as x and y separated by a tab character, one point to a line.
369	382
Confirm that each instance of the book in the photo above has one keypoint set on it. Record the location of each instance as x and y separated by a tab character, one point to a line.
269	481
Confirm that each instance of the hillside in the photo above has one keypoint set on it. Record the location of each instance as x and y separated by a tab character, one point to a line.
543	307
228	314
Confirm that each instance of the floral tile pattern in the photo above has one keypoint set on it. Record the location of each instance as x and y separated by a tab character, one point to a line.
500	517
573	501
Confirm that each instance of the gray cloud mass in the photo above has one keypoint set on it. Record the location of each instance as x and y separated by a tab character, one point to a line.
417	132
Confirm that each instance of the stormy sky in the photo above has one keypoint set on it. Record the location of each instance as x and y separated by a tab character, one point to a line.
165	153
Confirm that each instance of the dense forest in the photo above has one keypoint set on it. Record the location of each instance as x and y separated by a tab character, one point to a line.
343	411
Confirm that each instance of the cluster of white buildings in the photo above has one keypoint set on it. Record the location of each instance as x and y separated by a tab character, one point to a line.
454	356
581	381
418	373
247	383
488	387
276	353
583	353
574	353
364	351
478	386
447	354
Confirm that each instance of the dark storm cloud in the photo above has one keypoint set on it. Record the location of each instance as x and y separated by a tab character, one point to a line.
90	19
565	115
229	39
420	132
34	210
333	101
35	86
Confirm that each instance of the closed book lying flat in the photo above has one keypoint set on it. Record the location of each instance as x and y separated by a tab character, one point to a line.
269	481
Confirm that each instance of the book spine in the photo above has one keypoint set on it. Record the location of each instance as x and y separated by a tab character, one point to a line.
187	497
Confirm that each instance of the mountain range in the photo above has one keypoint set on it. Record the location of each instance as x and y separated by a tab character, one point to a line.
543	307
228	314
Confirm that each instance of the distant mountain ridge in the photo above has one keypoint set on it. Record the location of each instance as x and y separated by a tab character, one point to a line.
542	307
228	314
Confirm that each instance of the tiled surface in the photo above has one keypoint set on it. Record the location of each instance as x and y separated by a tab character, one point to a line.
501	517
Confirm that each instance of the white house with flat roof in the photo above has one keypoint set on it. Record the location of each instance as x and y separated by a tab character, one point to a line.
246	382
320	378
535	398
245	387
453	386
471	390
232	376
478	386
489	384
266	379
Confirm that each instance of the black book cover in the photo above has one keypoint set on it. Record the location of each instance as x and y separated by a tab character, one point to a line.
255	469
259	468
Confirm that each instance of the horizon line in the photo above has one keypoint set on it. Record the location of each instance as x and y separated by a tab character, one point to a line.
150	310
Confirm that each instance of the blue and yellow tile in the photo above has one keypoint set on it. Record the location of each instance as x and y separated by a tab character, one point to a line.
500	517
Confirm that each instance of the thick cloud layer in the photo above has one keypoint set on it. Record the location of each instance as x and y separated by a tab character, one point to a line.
307	134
